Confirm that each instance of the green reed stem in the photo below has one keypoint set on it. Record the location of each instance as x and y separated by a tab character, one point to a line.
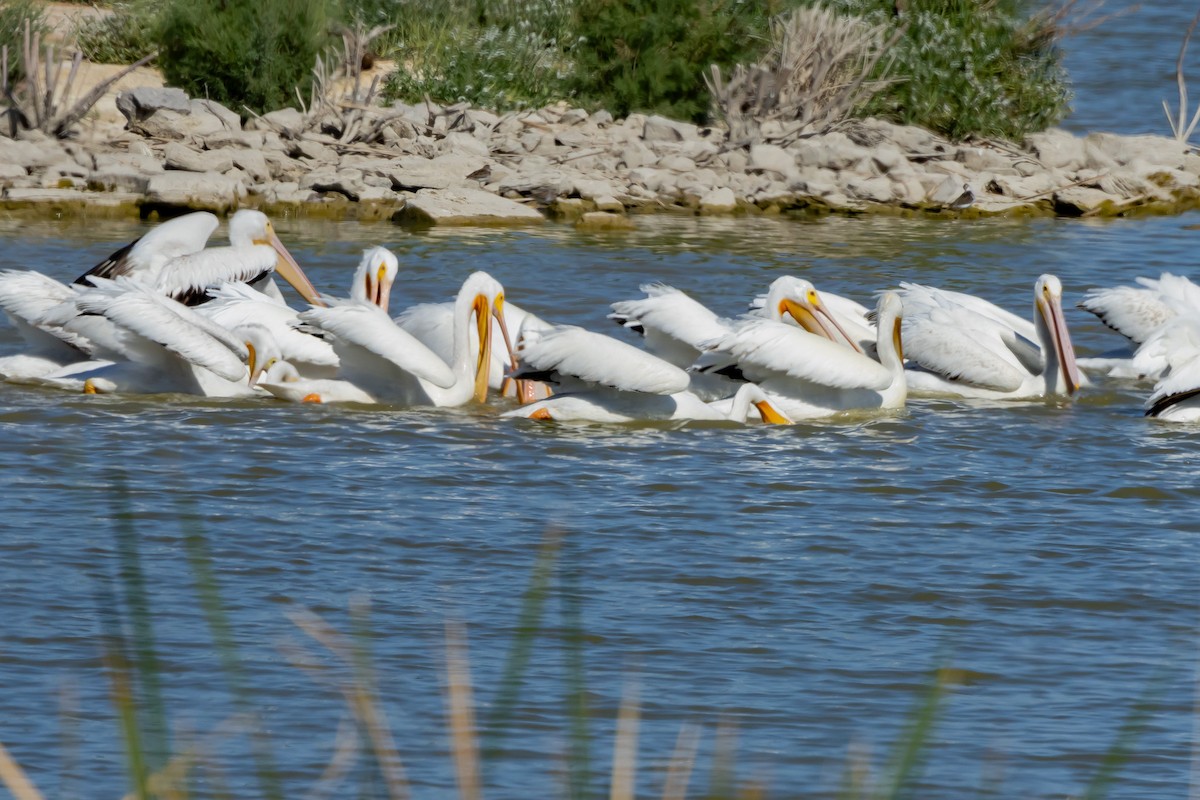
908	759
219	627
137	608
1127	734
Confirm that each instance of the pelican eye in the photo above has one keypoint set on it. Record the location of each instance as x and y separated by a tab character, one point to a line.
812	297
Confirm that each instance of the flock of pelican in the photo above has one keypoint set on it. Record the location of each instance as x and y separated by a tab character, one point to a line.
169	313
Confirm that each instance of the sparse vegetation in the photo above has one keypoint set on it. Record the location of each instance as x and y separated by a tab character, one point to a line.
123	36
15	16
964	68
252	53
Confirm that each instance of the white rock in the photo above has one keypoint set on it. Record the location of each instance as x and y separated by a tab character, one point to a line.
459	143
718	201
466	207
677	163
288	121
1057	149
949	190
178	156
137	104
229	119
167	124
875	190
195	190
1081	199
253	162
251	140
769	157
661	129
601	118
1160	150
635	154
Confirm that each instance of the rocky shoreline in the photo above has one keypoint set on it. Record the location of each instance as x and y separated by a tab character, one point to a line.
432	165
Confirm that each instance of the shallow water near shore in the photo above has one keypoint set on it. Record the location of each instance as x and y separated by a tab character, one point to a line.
797	585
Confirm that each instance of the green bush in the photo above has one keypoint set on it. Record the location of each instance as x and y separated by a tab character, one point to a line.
13	15
651	55
254	53
121	37
498	55
968	68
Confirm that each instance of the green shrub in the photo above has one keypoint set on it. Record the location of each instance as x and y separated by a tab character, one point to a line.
651	55
498	55
121	37
13	16
968	68
254	53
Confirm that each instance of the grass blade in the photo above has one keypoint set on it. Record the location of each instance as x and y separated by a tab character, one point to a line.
460	708
15	779
679	770
219	627
528	624
906	763
1122	746
624	765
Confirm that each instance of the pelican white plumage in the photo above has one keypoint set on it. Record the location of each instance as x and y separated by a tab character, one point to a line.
837	318
1176	396
1137	312
172	348
809	376
25	298
433	324
966	349
391	365
173	259
607	380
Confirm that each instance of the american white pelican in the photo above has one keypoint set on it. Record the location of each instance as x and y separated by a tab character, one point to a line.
172	348
25	297
173	259
286	383
391	365
808	376
966	349
1176	396
1137	312
607	380
837	318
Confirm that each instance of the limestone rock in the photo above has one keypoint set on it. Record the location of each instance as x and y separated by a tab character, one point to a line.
1081	200
769	157
635	154
314	151
178	156
287	121
949	190
138	104
459	143
30	154
875	190
171	125
466	207
718	201
1057	149
250	140
253	162
661	129
230	120
197	191
115	178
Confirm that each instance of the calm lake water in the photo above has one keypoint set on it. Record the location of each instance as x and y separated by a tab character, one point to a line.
796	585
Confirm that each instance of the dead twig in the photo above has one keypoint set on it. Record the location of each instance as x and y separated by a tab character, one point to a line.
1181	132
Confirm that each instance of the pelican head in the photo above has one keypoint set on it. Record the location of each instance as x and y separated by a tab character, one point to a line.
486	297
262	350
1062	372
374	277
800	300
248	227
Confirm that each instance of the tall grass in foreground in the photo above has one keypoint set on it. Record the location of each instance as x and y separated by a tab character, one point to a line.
159	768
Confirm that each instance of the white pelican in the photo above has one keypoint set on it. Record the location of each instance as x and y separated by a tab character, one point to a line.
25	297
286	383
968	350
172	347
808	376
173	258
1136	312
390	364
610	381
1176	396
833	316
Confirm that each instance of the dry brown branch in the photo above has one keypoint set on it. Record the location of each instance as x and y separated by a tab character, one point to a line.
38	101
816	73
